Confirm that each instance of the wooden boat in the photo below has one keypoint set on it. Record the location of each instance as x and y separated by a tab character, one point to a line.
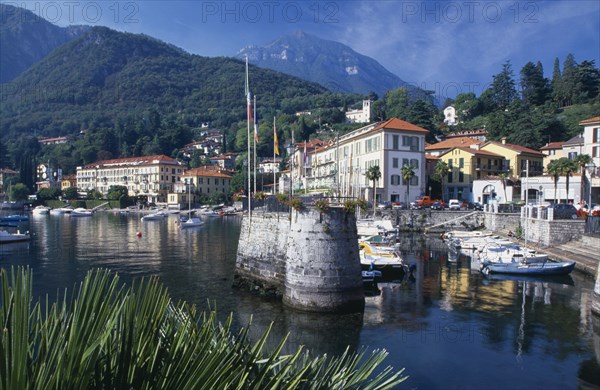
6	237
546	268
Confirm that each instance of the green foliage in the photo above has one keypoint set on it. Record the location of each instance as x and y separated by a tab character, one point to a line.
70	193
296	203
281	198
108	336
46	194
117	192
19	192
351	205
322	205
94	194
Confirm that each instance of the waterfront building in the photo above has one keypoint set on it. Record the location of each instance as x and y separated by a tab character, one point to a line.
68	181
466	164
150	176
517	157
340	166
5	176
552	151
444	146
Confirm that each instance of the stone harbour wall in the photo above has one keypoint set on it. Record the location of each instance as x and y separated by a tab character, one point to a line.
309	258
547	233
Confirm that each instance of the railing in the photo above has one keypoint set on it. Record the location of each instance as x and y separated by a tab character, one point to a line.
592	226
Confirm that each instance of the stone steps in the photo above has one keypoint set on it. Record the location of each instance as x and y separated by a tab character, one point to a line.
585	251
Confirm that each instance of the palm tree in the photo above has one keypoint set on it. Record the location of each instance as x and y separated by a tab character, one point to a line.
407	173
503	177
109	336
553	170
567	167
582	160
373	174
440	173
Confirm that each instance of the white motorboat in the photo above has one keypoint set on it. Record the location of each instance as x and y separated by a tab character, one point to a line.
81	212
511	254
382	263
6	237
41	210
61	210
157	216
191	222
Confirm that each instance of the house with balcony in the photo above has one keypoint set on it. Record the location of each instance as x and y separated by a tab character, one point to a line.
467	164
442	147
153	177
208	180
517	157
339	167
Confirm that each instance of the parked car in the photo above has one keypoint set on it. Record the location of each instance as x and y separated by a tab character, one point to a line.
477	206
564	211
384	205
454	204
437	206
399	205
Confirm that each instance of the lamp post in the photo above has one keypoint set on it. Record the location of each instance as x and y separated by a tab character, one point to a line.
590	169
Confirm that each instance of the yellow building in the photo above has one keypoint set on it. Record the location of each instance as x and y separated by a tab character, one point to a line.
466	164
552	151
517	157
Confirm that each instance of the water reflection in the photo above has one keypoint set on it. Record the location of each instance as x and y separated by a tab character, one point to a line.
472	331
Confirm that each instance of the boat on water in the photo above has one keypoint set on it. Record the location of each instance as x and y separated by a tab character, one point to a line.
61	210
191	222
41	210
545	268
81	212
157	216
511	254
6	237
14	218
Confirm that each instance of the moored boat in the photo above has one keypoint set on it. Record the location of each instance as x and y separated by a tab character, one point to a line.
14	218
81	212
41	210
191	222
157	216
546	268
6	237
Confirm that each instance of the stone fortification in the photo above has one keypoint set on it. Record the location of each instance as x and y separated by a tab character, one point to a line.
310	258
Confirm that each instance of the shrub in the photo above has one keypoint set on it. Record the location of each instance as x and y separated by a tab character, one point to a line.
322	205
296	203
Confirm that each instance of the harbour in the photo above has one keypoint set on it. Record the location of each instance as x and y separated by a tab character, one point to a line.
448	326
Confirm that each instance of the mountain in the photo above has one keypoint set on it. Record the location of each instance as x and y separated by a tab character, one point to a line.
331	64
105	76
25	38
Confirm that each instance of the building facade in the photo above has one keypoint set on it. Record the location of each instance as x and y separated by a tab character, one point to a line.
340	166
517	157
150	176
360	116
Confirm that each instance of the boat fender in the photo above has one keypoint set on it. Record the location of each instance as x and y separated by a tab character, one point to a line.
138	234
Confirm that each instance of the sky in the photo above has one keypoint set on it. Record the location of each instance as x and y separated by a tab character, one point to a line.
449	47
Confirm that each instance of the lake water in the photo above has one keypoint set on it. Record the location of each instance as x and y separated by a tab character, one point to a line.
449	327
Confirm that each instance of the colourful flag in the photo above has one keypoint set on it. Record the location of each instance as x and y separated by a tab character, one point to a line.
275	140
255	123
305	155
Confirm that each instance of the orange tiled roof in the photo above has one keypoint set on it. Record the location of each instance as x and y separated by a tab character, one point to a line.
453	142
553	145
518	148
130	160
399	124
590	120
202	171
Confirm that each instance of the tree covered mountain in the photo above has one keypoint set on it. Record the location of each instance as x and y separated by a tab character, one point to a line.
331	64
25	38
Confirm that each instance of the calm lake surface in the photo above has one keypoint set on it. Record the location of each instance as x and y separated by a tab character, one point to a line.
449	327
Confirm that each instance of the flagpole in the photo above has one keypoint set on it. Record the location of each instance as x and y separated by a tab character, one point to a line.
305	163
255	139
248	103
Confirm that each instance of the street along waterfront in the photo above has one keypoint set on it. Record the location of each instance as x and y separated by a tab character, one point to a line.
449	327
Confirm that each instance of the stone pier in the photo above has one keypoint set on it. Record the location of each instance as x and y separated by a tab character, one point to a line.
310	258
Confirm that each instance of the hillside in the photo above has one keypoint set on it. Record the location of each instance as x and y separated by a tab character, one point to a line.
25	38
331	64
105	75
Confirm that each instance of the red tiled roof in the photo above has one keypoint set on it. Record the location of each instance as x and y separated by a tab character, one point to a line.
140	160
553	145
518	148
399	124
453	142
590	120
203	171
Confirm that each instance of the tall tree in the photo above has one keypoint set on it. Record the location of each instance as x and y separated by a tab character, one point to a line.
503	90
554	171
397	103
587	83
534	87
407	172
557	82
373	174
569	79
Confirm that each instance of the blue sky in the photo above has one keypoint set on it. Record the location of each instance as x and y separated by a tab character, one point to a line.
445	46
